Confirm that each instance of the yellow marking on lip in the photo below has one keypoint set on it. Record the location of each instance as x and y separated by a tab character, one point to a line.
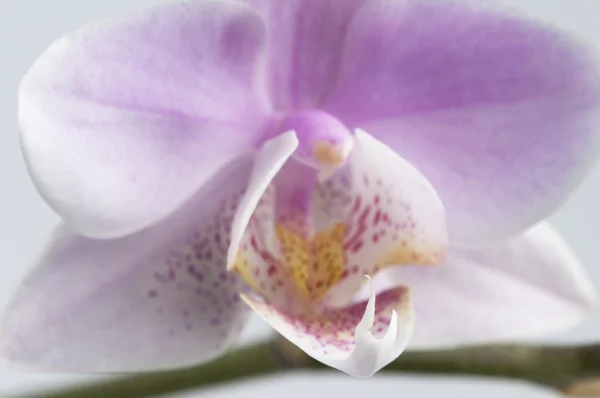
316	264
409	253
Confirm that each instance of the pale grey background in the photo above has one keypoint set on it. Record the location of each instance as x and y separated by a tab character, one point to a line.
27	27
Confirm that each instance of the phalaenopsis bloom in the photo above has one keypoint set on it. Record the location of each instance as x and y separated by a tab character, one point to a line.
365	175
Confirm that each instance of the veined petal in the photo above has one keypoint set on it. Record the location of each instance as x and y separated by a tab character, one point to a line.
358	340
500	113
160	298
306	39
395	215
123	120
530	286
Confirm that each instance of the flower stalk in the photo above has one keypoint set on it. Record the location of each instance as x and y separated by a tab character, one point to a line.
565	369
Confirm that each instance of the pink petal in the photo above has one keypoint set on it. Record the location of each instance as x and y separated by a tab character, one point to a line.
306	39
358	340
156	299
530	286
501	114
123	120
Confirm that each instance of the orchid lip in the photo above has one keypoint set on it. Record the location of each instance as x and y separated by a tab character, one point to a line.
311	240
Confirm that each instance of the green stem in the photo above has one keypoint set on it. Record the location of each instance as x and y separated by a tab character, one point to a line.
554	367
248	362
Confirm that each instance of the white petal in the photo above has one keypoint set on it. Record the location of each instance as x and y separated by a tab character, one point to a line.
395	215
269	160
160	298
527	287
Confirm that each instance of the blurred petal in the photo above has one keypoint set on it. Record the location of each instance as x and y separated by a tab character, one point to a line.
501	114
156	299
358	340
306	39
394	217
530	286
123	120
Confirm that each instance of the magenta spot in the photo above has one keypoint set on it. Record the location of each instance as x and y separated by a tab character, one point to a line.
272	270
357	246
377	217
160	277
152	293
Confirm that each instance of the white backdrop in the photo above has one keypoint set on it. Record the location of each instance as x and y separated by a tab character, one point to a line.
27	27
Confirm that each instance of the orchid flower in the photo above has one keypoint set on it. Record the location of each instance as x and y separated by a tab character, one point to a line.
365	175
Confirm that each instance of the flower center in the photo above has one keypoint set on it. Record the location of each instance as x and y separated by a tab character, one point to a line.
292	252
310	241
316	261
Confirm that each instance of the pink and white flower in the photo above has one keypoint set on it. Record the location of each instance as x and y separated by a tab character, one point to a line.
211	159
